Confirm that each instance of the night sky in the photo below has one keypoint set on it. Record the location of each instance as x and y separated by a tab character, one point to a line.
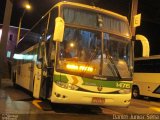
150	25
39	9
150	9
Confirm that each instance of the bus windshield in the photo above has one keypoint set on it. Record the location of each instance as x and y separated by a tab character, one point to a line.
94	45
96	20
83	53
118	49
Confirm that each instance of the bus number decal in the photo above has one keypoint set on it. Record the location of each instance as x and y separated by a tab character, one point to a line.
123	85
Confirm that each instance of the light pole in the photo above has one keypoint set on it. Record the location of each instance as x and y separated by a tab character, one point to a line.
134	8
27	7
133	13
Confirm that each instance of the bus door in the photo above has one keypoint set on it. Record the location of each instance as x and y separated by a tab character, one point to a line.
44	71
47	70
40	71
44	67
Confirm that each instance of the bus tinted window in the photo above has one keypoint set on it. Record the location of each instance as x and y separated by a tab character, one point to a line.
33	37
51	26
147	66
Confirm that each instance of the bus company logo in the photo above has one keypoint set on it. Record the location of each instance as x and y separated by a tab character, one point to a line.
99	88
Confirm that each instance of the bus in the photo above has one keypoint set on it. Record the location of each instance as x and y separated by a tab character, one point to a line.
77	54
146	80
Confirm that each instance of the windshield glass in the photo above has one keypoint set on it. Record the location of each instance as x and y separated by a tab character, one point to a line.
81	53
83	17
119	51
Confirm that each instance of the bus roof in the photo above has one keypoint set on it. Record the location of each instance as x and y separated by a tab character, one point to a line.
147	58
124	18
93	8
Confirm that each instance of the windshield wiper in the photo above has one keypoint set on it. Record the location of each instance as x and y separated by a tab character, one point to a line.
115	67
92	55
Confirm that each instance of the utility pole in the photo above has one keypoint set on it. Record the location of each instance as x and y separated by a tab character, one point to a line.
134	4
26	7
19	27
4	38
133	13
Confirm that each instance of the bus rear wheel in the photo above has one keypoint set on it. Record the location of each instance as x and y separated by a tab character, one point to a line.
135	92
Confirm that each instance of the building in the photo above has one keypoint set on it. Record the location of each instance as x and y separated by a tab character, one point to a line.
12	39
11	45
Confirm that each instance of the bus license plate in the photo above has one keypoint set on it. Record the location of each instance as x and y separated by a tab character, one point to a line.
98	100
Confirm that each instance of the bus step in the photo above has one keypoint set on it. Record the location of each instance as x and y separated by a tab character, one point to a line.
44	105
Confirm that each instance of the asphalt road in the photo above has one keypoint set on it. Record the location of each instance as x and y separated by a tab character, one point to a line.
17	105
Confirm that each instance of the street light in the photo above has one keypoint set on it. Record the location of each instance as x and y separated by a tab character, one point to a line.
27	7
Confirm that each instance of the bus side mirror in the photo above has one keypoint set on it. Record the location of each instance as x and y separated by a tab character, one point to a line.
59	30
145	45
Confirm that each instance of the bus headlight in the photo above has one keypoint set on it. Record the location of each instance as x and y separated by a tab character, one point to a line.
66	85
125	91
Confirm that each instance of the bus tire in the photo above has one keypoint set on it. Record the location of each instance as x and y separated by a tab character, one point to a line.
135	92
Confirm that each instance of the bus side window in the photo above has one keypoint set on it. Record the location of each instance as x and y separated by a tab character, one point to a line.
53	52
51	26
51	47
41	47
39	57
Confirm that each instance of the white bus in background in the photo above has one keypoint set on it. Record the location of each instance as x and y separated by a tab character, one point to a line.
146	80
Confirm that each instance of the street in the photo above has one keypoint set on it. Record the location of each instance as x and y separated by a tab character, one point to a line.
16	104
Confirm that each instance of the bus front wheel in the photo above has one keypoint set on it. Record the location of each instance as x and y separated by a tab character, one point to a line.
135	92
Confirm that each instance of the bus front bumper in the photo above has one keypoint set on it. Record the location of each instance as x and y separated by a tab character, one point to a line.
61	95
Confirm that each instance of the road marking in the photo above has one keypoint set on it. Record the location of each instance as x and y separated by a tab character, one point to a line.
35	103
155	108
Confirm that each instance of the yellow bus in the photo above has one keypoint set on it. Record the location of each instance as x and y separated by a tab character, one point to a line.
77	54
146	80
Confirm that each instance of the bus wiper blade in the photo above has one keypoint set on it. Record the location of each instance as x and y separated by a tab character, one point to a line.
115	67
93	54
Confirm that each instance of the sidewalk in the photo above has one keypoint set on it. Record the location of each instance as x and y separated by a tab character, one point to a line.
11	100
6	82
